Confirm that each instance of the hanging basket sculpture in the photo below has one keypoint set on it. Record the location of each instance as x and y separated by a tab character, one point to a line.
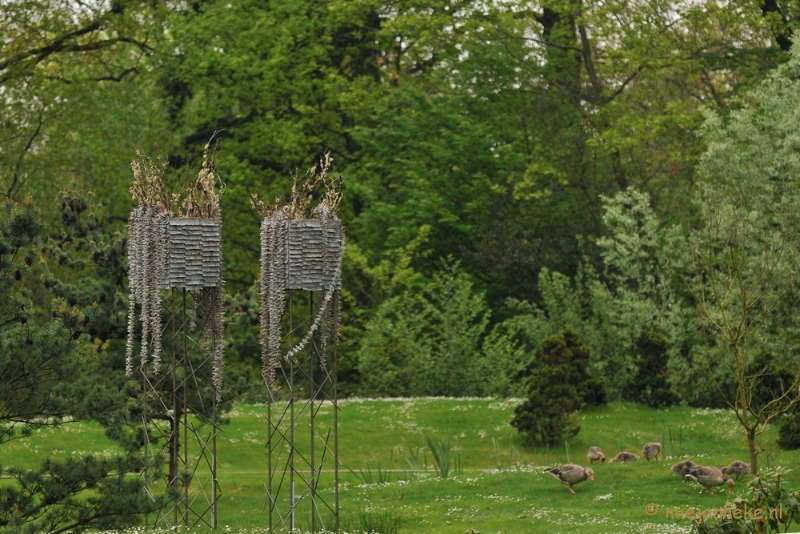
173	242
301	248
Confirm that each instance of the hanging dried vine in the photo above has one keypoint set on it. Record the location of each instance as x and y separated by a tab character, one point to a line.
148	244
314	183
273	281
147	248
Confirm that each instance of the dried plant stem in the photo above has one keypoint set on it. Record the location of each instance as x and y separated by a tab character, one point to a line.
273	281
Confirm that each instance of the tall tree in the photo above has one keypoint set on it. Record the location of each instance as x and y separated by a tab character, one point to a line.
743	257
72	106
501	126
279	82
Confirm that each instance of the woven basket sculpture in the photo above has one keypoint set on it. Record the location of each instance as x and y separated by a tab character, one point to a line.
313	254
194	254
172	246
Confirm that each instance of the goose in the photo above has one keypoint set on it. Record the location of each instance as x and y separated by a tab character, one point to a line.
624	457
683	468
651	450
737	468
709	477
596	455
570	474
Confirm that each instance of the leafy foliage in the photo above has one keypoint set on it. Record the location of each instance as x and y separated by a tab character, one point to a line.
428	344
789	432
739	263
767	493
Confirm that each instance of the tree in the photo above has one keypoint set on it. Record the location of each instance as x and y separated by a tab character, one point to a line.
428	343
280	82
559	386
650	385
43	358
59	64
35	358
789	432
501	127
75	495
740	266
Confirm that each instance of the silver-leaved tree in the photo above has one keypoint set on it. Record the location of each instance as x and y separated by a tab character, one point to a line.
739	260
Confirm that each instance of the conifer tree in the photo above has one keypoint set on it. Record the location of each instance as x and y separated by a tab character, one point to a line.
42	360
559	386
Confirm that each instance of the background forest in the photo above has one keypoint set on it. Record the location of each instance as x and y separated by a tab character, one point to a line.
624	170
511	168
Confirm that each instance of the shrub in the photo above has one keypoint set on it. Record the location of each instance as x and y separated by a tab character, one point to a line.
789	433
429	342
767	492
650	386
559	385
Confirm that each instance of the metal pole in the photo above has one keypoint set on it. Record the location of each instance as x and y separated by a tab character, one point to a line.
291	496
214	495
291	413
270	471
312	390
336	423
174	442
146	435
185	409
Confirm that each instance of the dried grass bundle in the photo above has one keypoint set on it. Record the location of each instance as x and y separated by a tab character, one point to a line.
197	196
149	183
315	183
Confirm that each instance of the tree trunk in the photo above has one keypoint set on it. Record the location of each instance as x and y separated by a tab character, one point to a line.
751	447
783	34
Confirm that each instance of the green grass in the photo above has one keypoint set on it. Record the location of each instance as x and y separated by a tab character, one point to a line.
502	488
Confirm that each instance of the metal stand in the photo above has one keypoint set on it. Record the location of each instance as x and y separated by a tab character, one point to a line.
303	454
179	414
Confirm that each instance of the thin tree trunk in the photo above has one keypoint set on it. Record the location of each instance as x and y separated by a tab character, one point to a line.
751	447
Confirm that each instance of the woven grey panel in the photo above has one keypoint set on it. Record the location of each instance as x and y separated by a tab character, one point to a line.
194	256
311	264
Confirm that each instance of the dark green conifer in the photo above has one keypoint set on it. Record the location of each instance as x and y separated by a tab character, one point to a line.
560	384
43	362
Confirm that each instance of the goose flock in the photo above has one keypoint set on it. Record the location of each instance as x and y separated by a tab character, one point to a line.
706	475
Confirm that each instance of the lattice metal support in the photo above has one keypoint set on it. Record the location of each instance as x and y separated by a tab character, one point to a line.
302	490
179	413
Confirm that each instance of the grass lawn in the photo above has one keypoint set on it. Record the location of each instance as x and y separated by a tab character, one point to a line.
502	487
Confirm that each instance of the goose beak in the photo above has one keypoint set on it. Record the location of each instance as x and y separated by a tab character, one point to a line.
730	488
591	477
